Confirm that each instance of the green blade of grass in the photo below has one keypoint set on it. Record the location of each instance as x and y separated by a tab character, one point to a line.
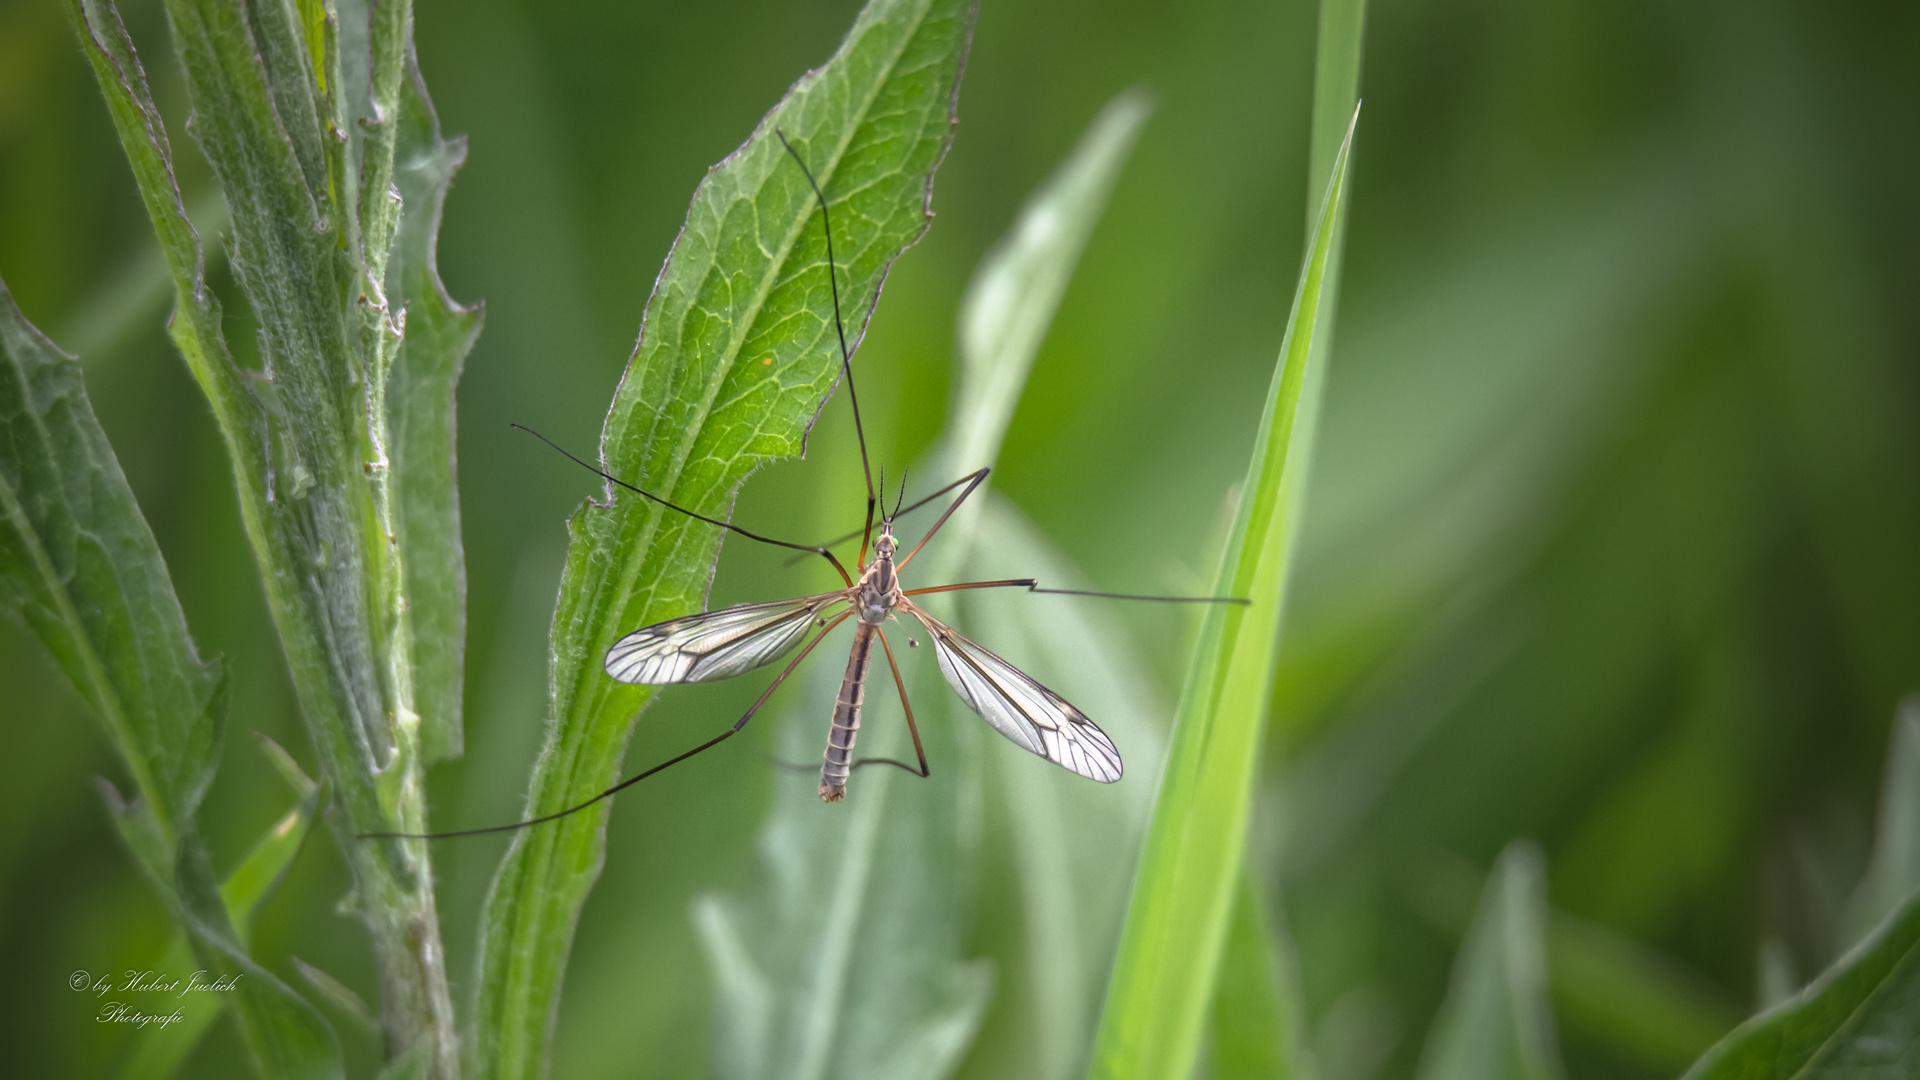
1607	986
737	352
1336	88
1496	1023
1177	919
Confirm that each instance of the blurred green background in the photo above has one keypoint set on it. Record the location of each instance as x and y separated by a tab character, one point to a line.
1612	541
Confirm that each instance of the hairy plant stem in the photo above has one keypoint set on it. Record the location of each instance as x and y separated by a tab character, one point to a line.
301	134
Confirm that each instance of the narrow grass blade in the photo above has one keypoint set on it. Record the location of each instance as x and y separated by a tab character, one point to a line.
338	995
1612	989
737	352
1643	1005
1496	1023
1336	88
1163	978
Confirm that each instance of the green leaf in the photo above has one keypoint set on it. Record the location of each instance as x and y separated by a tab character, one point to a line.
265	863
79	565
1163	977
1855	1020
161	1051
439	333
340	996
284	1035
1642	1004
1496	1023
77	560
844	962
697	411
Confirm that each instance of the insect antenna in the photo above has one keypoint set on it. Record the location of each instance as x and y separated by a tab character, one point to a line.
839	328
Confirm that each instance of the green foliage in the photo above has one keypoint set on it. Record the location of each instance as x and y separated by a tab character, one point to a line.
1497	1023
1178	916
439	334
161	1052
849	960
80	566
738	349
1857	1018
1610	542
1258	1027
301	138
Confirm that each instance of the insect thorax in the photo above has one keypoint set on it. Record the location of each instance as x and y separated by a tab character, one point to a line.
879	592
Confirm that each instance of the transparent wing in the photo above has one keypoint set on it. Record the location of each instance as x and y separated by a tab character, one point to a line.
1034	717
715	644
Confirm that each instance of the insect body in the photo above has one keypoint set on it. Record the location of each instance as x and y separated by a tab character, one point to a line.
720	644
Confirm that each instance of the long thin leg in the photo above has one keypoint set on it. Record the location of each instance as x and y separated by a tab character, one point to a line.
810	549
632	780
839	327
977	479
1031	585
901	684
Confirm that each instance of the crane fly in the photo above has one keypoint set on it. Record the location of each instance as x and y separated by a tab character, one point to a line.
713	645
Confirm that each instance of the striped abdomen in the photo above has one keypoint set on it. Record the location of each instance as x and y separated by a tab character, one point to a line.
846	717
